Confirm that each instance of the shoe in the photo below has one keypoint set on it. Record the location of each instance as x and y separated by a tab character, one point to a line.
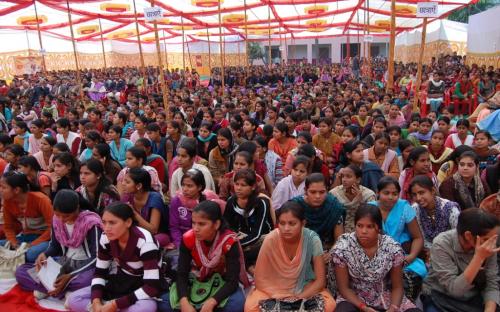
39	295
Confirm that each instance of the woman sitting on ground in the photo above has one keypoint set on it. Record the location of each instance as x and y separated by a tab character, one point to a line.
243	160
186	155
437	151
463	275
352	153
215	251
126	275
290	262
450	164
302	138
400	223
281	143
192	193
136	158
118	145
351	193
74	239
293	185
96	188
66	173
149	209
369	267
465	186
325	215
38	179
418	163
248	214
45	156
112	168
221	158
434	214
381	155
206	140
271	160
27	215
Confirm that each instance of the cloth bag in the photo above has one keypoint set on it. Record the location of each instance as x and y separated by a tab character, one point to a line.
199	292
11	259
313	304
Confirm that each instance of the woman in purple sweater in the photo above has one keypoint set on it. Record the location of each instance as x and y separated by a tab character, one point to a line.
192	192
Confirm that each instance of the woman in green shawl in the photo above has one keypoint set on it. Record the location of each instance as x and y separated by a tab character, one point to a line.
325	215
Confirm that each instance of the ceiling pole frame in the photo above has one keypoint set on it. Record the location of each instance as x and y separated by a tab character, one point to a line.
189	55
246	36
239	54
78	79
165	48
102	45
42	52
369	44
392	41
419	68
269	35
221	51
183	46
143	67
164	90
286	49
209	55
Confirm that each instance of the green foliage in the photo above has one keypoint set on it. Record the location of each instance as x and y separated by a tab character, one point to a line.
462	15
255	51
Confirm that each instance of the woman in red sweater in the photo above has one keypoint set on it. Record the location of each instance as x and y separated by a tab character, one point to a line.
27	215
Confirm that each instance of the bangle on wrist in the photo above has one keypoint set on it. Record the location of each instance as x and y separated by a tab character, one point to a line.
362	306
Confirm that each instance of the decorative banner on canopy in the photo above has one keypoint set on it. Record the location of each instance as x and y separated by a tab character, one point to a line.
148	39
122	34
233	18
31	20
316	9
153	14
427	9
315	25
163	21
87	30
206	3
404	9
27	65
115	7
182	27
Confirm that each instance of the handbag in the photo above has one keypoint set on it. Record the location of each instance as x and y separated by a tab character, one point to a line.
314	304
11	259
199	292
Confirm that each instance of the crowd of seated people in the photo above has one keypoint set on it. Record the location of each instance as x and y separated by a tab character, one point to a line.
281	188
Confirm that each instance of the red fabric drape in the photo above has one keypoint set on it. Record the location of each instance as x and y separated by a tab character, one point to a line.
18	300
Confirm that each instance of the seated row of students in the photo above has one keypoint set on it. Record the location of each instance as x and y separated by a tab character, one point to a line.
328	233
374	156
322	213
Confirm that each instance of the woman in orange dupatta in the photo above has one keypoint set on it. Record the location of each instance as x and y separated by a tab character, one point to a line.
290	263
281	143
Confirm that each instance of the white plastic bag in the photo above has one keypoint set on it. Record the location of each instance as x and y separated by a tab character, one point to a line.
11	259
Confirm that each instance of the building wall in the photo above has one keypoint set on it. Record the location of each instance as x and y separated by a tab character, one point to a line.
307	48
